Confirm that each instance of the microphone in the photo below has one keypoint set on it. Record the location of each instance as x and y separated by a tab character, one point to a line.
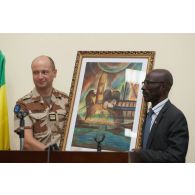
17	108
99	138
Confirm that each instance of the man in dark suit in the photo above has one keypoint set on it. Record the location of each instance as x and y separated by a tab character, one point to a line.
165	134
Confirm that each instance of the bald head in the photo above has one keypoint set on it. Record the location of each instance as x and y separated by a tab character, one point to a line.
162	75
44	59
44	72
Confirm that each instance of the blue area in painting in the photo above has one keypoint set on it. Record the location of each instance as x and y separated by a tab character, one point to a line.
114	142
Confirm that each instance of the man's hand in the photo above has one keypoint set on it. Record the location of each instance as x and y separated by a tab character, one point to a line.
53	147
135	150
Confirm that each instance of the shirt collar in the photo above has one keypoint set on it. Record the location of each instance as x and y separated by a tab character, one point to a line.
159	106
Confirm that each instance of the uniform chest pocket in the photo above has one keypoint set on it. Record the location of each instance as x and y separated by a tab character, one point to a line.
61	115
38	116
40	121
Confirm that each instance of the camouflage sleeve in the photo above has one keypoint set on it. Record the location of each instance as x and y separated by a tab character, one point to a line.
67	104
66	100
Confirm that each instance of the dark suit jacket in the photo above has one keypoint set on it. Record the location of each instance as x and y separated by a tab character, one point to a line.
168	139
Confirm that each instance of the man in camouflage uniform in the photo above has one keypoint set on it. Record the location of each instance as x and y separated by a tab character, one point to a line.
46	107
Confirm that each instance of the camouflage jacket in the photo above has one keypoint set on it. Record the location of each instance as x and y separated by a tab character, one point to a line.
46	121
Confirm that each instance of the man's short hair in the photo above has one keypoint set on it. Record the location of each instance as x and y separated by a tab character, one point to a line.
52	63
49	58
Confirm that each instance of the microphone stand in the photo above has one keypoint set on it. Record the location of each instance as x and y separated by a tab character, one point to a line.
20	132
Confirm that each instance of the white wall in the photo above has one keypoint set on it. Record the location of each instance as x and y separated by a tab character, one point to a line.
174	52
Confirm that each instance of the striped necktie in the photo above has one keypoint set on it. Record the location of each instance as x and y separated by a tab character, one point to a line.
147	127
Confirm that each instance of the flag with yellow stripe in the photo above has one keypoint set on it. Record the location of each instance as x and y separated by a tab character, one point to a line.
4	127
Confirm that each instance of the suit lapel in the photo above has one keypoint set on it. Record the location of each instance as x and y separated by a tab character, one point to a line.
156	122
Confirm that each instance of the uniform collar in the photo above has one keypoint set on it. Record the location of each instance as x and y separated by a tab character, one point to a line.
37	97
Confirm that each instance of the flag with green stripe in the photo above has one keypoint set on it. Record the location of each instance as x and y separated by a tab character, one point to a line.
4	127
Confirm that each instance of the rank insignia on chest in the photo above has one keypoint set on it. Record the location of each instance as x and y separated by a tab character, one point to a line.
52	117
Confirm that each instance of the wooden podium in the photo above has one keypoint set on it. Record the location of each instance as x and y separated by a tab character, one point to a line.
89	157
66	157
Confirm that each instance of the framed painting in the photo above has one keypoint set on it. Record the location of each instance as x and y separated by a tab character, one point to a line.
106	102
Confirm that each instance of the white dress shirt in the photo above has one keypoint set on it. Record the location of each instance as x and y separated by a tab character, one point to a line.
156	109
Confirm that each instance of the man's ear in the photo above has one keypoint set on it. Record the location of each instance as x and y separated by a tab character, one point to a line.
165	88
162	88
55	72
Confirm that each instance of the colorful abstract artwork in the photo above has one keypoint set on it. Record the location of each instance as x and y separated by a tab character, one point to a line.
106	102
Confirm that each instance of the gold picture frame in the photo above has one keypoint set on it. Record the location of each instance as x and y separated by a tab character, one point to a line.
106	100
